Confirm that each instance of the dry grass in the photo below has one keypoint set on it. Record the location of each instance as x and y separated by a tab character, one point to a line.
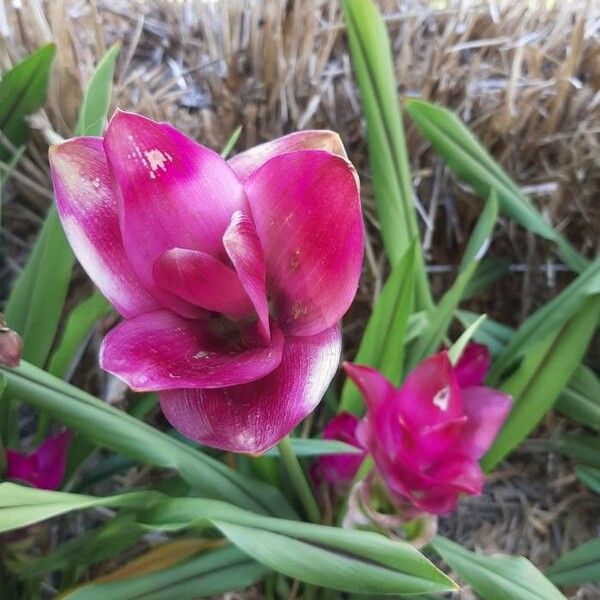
525	76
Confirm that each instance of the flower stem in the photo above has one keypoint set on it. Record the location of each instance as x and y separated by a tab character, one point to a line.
298	479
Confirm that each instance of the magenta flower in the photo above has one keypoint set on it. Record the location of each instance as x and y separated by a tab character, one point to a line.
45	467
338	470
427	437
231	276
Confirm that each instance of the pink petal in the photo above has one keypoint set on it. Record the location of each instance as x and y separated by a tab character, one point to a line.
306	209
473	365
252	418
339	469
245	163
246	254
461	473
45	467
430	394
202	280
86	199
175	193
160	351
375	388
486	410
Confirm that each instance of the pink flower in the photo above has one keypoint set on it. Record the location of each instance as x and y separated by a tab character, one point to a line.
427	437
338	470
45	467
231	276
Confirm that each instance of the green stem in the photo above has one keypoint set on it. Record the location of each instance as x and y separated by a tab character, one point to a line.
298	479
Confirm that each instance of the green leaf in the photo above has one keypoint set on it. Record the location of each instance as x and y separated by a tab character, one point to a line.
584	449
547	319
36	302
312	447
590	476
77	330
456	350
497	577
97	97
471	162
390	170
541	377
580	400
88	548
488	271
491	333
122	433
581	565
209	574
355	561
482	233
382	345
430	340
23	90
231	142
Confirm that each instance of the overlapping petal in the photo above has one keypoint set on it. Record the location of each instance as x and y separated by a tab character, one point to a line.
306	209
246	254
161	351
473	365
86	198
245	163
202	280
486	409
174	193
253	417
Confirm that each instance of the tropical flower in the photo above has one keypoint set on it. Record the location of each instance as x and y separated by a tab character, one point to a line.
231	276
427	437
338	470
45	467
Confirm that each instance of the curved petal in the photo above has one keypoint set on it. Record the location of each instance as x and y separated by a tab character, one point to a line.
486	410
430	395
202	280
374	387
306	208
86	199
252	418
245	252
175	193
245	163
160	351
473	365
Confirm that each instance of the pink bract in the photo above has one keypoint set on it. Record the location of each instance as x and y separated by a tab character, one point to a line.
338	470
427	437
45	467
231	276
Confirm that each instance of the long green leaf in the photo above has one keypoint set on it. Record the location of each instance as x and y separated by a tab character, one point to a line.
207	575
541	377
354	561
390	170
313	447
23	90
547	319
471	162
97	97
584	449
382	344
118	431
36	302
580	400
590	476
77	329
497	577
581	565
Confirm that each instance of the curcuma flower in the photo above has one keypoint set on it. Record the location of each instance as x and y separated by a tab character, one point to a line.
231	276
427	437
45	467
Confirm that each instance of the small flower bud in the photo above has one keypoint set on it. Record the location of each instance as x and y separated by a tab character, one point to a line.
11	346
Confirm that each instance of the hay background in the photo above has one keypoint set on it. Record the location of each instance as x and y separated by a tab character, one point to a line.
524	75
